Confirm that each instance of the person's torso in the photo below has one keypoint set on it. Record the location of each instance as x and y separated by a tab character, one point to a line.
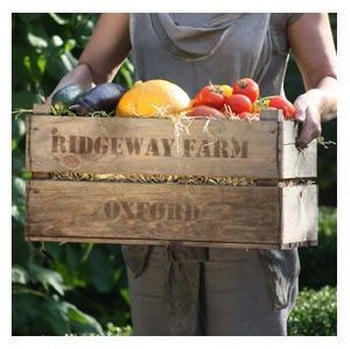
193	50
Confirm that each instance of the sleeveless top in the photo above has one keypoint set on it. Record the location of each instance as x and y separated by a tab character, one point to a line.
195	49
192	50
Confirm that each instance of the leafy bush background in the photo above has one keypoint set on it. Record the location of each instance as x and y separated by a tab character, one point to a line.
81	288
315	313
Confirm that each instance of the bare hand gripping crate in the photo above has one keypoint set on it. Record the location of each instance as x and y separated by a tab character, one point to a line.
137	181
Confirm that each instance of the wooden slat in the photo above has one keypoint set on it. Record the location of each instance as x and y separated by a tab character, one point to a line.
299	213
154	213
157	214
131	145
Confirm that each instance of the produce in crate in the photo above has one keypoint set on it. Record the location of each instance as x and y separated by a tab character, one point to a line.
241	100
210	95
162	98
279	102
247	87
215	168
201	111
151	98
67	96
238	104
103	97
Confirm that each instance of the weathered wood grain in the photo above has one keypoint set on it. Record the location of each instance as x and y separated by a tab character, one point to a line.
164	213
269	211
294	162
299	214
260	149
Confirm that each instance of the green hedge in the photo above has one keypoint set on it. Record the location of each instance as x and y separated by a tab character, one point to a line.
315	313
319	264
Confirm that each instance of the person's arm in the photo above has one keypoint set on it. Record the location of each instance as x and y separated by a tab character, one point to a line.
313	47
108	46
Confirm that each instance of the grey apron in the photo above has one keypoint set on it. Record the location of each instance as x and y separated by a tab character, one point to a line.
192	50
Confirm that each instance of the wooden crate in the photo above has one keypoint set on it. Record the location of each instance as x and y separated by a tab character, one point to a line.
136	181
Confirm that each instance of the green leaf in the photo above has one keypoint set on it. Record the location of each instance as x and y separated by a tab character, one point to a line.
54	317
113	330
58	19
37	314
69	45
14	144
125	74
315	313
24	289
47	278
125	293
101	270
76	315
17	160
86	322
87	248
25	174
18	191
55	67
25	100
36	41
20	248
18	128
19	275
72	257
17	214
41	63
68	61
19	186
57	41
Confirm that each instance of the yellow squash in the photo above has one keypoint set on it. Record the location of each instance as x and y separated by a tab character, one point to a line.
153	98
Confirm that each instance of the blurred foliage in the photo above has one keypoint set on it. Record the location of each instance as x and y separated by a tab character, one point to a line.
44	48
52	282
63	289
315	313
319	264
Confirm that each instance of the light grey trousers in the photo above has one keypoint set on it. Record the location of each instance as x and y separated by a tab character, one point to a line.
233	298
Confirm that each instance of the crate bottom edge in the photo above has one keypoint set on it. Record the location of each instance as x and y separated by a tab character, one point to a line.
241	245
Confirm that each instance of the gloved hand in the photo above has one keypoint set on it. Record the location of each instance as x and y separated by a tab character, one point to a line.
81	74
308	114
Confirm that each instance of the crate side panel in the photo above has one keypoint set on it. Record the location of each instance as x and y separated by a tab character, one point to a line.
295	163
299	214
152	146
155	213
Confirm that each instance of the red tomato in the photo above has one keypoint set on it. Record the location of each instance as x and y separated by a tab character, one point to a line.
238	104
247	87
211	95
203	111
282	103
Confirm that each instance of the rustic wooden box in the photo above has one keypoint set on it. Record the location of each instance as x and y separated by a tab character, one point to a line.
135	181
